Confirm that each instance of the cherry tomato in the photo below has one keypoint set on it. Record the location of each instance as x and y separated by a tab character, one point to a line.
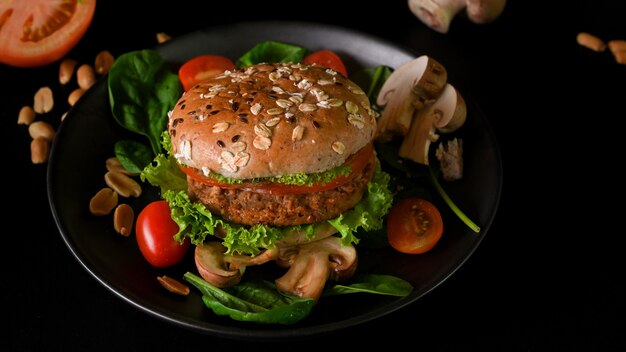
38	32
326	58
202	67
155	235
357	163
414	226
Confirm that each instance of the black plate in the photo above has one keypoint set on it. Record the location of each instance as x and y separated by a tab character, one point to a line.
85	140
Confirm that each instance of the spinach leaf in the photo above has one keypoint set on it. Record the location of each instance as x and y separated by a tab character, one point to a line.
141	92
134	156
373	283
270	52
371	80
254	301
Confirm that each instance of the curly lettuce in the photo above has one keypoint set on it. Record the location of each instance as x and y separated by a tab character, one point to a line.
197	223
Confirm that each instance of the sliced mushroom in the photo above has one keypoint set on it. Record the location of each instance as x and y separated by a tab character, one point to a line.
240	260
413	85
484	11
213	268
312	264
446	115
436	14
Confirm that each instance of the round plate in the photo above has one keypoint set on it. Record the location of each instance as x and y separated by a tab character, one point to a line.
86	138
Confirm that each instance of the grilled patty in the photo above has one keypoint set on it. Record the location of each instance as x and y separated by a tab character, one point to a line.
251	208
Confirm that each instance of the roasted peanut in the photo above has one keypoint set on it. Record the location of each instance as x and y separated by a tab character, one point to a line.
75	95
123	219
617	46
43	100
162	37
86	76
590	41
104	61
113	164
66	70
103	202
39	149
122	184
41	129
173	285
26	116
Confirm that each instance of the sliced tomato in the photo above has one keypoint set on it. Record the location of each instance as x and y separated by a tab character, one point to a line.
414	226
326	58
202	67
357	163
39	32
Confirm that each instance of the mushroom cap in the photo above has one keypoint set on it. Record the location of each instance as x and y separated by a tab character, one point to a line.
209	258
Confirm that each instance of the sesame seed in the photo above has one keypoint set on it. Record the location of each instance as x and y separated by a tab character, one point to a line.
338	147
220	144
316	124
235	138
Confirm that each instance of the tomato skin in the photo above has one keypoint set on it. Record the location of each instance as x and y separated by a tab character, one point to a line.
38	32
326	58
357	163
155	231
202	67
414	226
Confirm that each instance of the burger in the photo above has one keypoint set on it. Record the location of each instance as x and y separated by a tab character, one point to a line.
277	164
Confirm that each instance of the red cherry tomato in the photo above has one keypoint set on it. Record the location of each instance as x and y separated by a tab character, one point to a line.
202	67
38	32
414	226
326	58
155	236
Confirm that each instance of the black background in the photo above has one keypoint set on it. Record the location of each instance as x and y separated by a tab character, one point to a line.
548	275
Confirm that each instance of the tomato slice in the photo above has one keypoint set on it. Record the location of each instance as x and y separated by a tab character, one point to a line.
326	58
202	67
38	32
414	226
155	231
357	163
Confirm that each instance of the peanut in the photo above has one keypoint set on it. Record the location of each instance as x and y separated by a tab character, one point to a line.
86	76
66	70
162	37
39	150
590	41
43	101
617	46
41	129
103	202
75	95
122	184
26	116
123	219
173	285
104	61
113	164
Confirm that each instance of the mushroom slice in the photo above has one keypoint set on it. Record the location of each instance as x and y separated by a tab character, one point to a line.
446	115
312	264
412	86
484	11
436	14
212	267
